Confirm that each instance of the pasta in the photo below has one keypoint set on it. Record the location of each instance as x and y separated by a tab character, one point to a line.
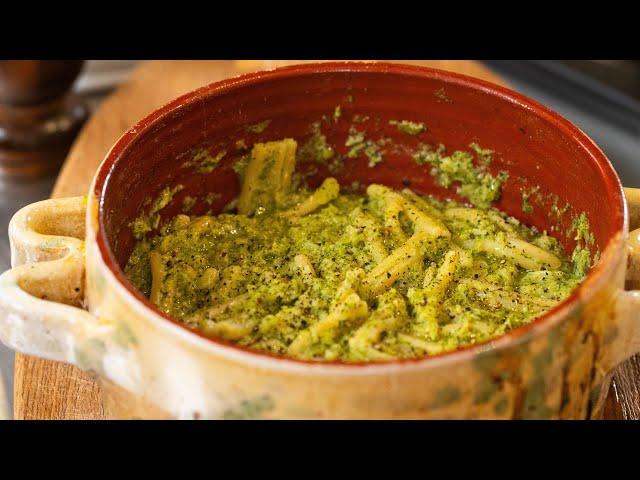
325	275
328	191
396	204
347	307
268	176
392	267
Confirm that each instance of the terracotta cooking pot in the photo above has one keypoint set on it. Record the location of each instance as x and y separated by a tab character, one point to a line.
70	253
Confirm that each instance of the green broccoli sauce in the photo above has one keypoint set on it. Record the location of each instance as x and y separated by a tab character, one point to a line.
269	281
240	166
146	223
211	197
316	148
474	180
528	195
442	96
337	113
581	256
258	127
203	161
187	203
359	145
410	128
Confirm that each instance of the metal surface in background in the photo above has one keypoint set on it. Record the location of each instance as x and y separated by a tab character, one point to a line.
608	115
621	75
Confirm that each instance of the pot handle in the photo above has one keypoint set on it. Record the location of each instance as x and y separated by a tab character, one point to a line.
40	295
633	270
627	307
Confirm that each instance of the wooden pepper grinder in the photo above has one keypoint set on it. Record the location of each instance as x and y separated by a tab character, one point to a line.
39	116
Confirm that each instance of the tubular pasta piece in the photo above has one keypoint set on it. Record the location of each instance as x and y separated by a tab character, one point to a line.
409	248
326	192
427	302
371	228
268	175
445	274
351	309
351	283
390	314
392	211
215	310
165	302
208	279
430	348
429	275
422	222
521	252
157	276
468	214
303	265
399	261
422	204
502	223
496	296
346	308
228	330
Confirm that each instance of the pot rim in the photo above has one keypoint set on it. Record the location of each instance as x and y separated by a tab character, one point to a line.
595	280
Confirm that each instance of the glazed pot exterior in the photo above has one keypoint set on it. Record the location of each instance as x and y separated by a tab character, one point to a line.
72	251
555	371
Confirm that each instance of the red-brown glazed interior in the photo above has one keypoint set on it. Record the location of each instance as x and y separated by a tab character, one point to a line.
534	145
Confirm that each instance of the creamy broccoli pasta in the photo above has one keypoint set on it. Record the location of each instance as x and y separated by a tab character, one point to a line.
330	274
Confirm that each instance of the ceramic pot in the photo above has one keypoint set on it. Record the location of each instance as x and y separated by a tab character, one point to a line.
69	253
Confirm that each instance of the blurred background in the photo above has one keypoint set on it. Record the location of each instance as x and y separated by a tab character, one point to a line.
42	107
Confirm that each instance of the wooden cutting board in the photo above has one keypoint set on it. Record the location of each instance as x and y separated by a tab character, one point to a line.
52	390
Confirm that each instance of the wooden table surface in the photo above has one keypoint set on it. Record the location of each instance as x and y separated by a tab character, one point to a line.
50	390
